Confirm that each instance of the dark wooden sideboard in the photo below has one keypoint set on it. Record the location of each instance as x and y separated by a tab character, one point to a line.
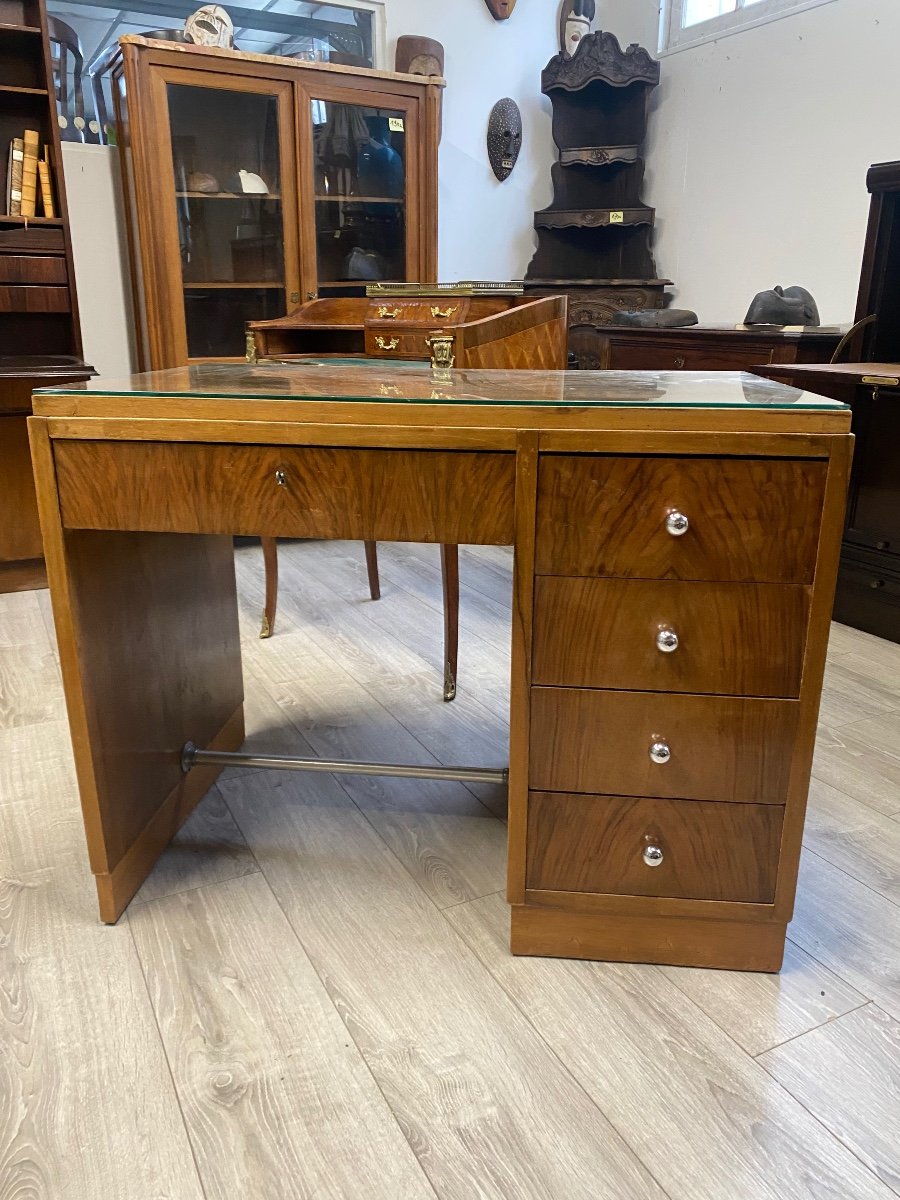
868	590
699	347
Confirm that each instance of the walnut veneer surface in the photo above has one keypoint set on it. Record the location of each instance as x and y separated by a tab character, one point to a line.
717	648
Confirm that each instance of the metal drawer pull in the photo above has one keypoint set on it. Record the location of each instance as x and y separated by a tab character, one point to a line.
653	855
660	752
443	314
385	344
677	523
281	477
679	362
667	641
388	314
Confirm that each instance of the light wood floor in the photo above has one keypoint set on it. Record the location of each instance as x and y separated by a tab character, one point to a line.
312	996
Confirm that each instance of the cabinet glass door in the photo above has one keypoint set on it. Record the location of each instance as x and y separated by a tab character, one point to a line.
360	169
229	176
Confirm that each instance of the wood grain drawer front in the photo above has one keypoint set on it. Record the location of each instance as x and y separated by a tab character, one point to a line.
734	639
747	519
33	268
283	491
603	844
430	311
33	299
649	744
640	354
391	342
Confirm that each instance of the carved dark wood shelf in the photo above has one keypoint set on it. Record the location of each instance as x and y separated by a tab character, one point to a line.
592	218
598	156
600	58
594	239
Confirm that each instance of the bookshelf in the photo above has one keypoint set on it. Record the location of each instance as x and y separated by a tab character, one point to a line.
40	340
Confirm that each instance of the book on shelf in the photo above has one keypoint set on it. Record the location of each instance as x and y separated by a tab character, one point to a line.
31	142
14	177
44	176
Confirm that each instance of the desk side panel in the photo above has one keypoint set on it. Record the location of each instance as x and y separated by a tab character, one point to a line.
149	645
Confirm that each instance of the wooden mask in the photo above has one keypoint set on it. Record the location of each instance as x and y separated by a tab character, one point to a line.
501	10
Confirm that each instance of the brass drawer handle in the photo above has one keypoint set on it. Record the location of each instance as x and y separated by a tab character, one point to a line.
660	752
653	855
443	314
679	362
388	314
385	344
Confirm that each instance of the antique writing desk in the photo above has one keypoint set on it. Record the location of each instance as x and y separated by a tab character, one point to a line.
676	545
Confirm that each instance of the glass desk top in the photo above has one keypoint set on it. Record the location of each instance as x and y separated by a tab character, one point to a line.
365	380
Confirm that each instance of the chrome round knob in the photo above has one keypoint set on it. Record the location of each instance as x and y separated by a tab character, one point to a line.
677	523
660	752
653	856
667	641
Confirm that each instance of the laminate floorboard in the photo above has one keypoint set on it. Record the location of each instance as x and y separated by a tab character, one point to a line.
482	1100
87	1106
862	760
848	1074
207	849
448	840
849	928
857	839
701	1113
761	1011
277	1100
347	935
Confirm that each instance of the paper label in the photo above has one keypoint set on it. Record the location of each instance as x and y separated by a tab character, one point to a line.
395	124
18	155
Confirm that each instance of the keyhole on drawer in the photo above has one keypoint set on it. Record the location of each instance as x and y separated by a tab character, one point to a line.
281	477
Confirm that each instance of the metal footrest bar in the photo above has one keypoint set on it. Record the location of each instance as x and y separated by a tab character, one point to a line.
192	757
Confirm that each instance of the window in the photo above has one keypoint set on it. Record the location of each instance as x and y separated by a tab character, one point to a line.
690	22
83	31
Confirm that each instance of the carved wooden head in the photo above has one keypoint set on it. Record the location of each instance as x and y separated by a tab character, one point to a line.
501	10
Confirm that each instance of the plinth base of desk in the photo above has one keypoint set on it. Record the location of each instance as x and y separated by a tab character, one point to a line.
670	941
115	889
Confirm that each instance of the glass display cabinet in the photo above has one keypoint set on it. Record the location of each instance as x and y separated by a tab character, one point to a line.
255	183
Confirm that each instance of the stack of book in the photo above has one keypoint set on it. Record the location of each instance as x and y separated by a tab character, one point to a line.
24	171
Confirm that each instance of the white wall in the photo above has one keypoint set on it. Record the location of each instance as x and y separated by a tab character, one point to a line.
757	154
487	227
758	150
94	194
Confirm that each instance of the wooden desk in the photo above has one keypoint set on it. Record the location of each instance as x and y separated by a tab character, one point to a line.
868	590
676	544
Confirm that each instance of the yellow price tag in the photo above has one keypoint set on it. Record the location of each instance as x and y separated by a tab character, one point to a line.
617	217
395	124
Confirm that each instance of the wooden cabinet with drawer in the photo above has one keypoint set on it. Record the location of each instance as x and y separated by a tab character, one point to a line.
670	624
700	347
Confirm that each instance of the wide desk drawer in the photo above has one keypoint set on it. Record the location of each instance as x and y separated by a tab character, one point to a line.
754	519
288	491
620	845
737	639
651	744
681	354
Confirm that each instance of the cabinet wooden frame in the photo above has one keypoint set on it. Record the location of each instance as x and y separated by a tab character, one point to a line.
140	77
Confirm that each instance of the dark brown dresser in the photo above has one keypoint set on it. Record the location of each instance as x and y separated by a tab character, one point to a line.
868	592
699	347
